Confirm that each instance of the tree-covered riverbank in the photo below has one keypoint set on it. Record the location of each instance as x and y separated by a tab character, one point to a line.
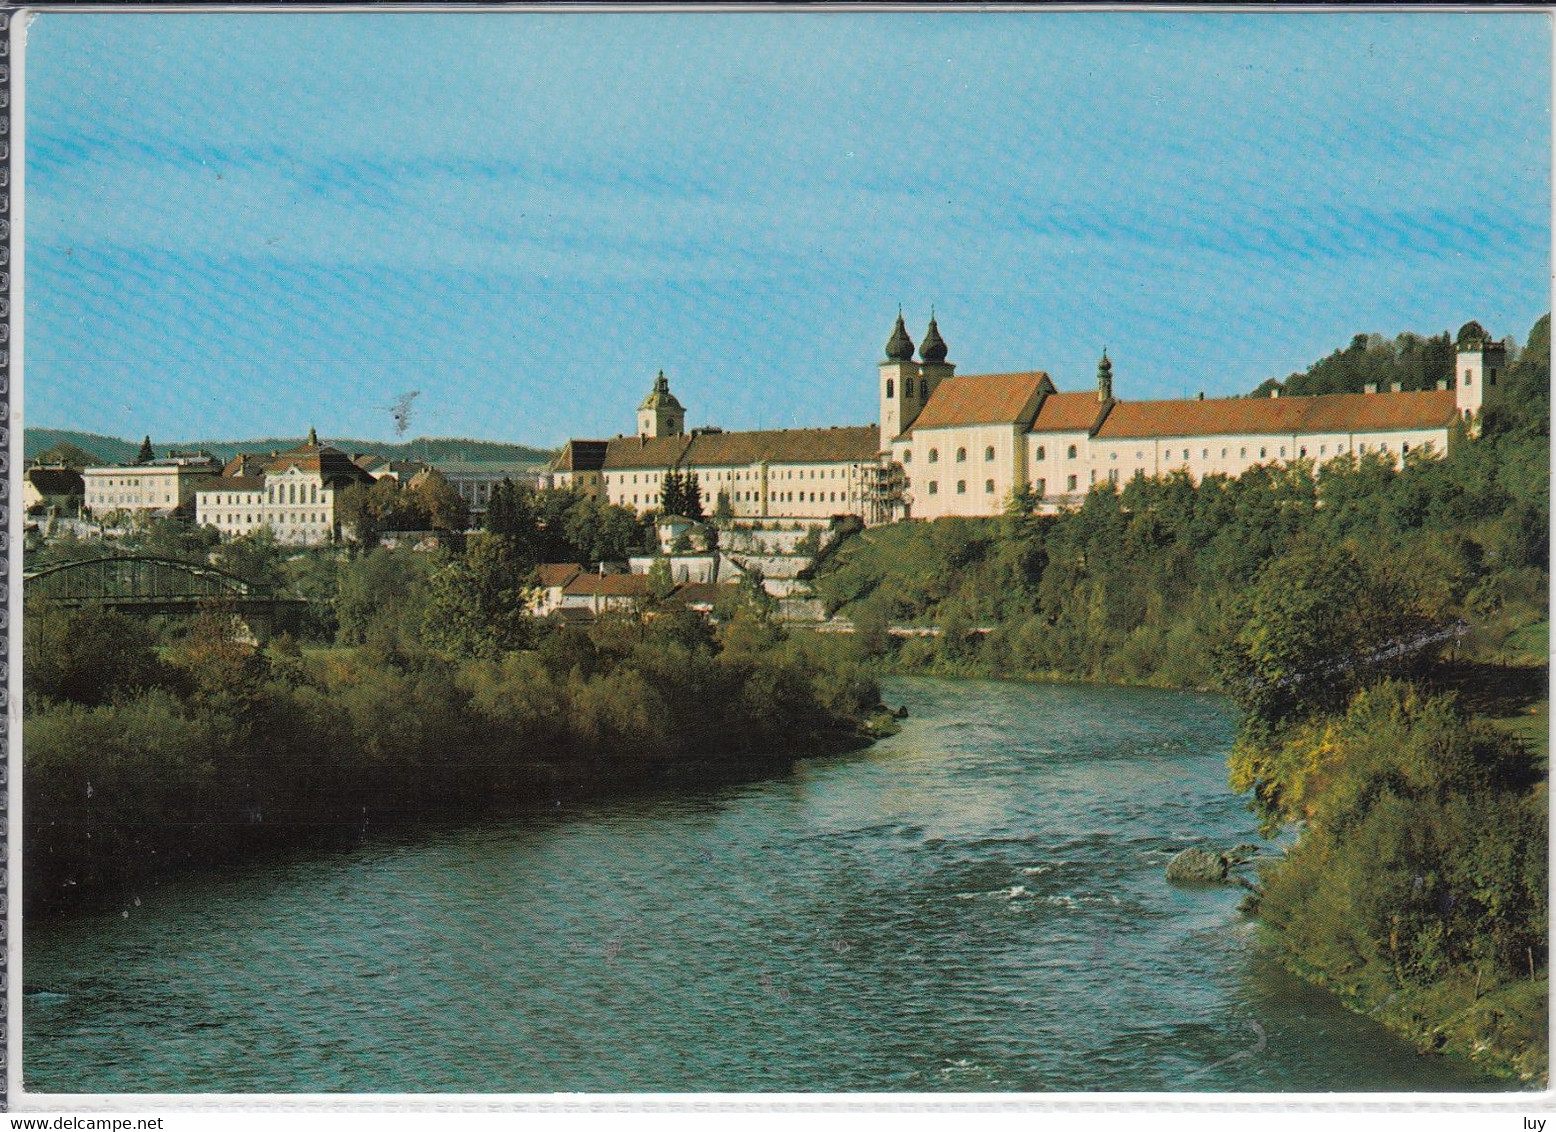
141	756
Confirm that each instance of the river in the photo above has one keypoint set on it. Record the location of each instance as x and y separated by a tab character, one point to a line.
976	904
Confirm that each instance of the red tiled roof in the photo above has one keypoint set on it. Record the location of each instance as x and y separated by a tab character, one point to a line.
1068	412
989	398
1329	412
557	573
334	465
609	585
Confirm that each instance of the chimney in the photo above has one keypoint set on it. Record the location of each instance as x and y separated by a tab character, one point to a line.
1274	392
1200	396
1370	387
1396	387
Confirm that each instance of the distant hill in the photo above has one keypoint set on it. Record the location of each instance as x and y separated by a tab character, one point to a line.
113	450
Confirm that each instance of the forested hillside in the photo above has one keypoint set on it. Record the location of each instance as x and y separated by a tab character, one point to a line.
80	448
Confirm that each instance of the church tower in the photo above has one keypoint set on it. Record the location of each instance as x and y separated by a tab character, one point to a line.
932	353
900	394
1105	378
1480	372
660	414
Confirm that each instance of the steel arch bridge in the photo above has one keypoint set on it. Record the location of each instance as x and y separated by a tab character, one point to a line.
146	585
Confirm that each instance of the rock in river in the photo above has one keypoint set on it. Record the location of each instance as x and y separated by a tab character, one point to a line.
1199	865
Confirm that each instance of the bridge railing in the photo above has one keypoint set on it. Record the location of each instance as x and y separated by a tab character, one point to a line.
126	578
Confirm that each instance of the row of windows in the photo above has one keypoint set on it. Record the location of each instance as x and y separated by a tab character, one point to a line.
961	487
777	497
318	517
722	477
123	499
934	455
907	388
290	493
1242	453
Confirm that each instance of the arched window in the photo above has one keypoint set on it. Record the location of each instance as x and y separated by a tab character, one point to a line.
934	455
934	488
961	455
988	453
891	388
907	455
988	487
1041	488
1071	452
961	487
1469	378
1042	452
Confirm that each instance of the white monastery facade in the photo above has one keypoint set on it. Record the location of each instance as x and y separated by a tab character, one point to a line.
294	493
961	445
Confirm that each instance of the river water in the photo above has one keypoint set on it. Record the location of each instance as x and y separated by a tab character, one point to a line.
976	904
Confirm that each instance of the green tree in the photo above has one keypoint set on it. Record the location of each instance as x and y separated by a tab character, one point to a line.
672	493
437	499
691	496
145	455
88	655
478	602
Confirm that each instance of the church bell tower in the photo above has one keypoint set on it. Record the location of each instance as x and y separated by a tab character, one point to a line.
660	414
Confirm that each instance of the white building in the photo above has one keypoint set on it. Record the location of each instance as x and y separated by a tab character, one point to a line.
158	487
295	493
963	445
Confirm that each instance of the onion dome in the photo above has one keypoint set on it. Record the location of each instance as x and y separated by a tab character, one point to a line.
1105	377
933	348
661	397
899	347
1472	334
313	437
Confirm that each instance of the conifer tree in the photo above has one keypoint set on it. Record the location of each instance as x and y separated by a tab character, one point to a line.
691	496
672	493
145	455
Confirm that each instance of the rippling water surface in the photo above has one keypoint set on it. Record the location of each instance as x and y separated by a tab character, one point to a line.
976	904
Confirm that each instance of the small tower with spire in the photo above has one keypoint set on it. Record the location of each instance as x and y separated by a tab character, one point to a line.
1105	378
899	385
661	414
313	437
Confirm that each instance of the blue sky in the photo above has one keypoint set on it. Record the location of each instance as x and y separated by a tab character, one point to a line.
245	224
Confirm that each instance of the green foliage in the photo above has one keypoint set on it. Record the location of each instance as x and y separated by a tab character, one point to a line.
1424	856
478	602
1312	627
379	593
287	746
563	526
1413	361
87	656
144	454
680	493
